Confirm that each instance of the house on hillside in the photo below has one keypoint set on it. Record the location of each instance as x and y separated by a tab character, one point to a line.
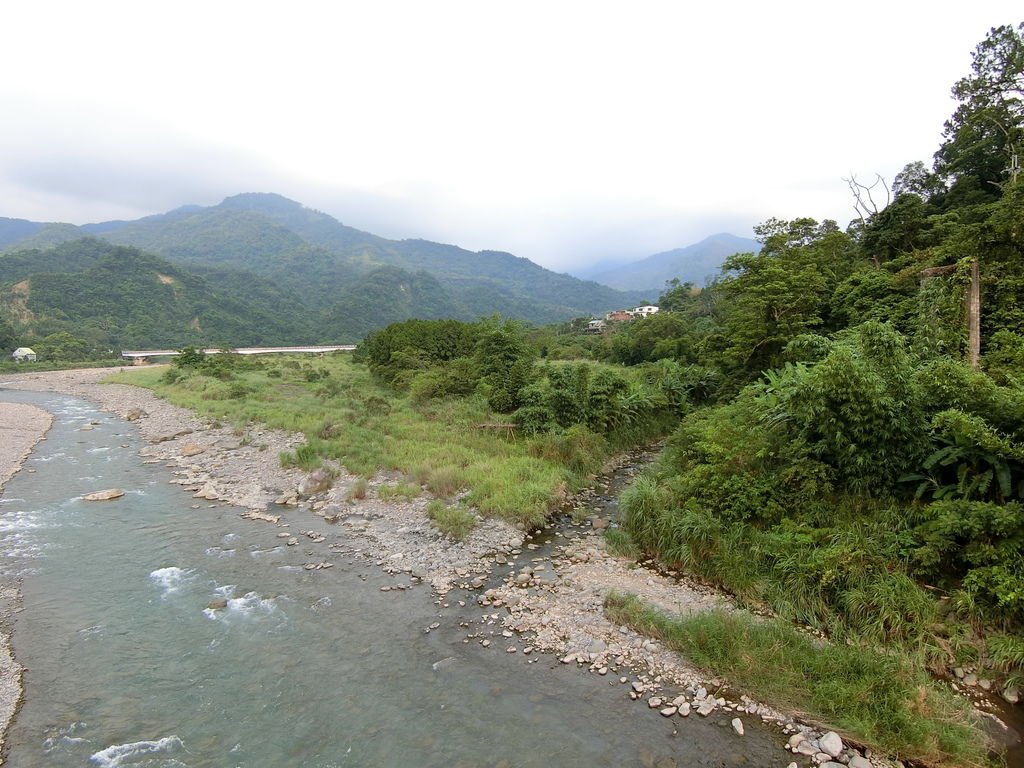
24	355
645	310
594	326
619	316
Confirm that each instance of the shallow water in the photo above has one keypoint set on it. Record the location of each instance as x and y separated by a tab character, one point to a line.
127	666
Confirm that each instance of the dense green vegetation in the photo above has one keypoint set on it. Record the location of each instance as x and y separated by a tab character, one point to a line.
887	701
843	466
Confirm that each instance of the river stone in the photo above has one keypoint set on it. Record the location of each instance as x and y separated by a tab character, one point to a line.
218	604
806	748
737	725
859	762
316	481
107	495
1011	695
684	709
706	707
669	711
971	679
831	744
134	414
191	449
795	739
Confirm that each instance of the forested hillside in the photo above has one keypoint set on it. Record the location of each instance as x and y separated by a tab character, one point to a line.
343	282
86	297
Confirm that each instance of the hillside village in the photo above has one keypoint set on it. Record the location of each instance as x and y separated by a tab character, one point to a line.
620	316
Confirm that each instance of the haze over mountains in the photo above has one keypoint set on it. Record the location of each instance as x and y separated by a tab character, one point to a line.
260	268
694	263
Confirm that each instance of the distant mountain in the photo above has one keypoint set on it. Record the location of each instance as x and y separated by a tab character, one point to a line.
13	230
694	263
344	281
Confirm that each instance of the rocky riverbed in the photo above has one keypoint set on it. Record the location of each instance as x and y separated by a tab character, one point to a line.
21	427
548	601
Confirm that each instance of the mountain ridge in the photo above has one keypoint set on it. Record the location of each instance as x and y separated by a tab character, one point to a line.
343	281
692	263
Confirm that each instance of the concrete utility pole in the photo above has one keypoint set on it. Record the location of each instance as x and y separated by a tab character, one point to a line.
974	316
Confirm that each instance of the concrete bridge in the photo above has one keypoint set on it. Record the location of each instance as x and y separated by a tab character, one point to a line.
140	356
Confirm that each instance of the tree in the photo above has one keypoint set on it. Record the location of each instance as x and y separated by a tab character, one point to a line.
986	131
916	179
62	347
8	338
773	296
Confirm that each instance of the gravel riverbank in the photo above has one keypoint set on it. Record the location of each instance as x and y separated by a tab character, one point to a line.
21	427
552	604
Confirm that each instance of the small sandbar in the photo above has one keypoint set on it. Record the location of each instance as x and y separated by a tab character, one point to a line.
21	427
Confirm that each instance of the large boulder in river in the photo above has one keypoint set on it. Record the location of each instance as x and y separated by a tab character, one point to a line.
316	481
107	495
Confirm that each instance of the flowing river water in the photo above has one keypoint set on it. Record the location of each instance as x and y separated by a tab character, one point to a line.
126	665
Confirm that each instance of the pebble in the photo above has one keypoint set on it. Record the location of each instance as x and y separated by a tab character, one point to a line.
669	711
737	725
706	707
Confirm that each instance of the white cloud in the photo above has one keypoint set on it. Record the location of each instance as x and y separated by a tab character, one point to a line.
559	131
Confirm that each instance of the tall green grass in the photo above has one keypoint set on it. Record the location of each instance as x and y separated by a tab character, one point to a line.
350	418
884	701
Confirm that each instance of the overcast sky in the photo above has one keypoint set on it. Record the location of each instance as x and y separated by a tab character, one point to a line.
566	132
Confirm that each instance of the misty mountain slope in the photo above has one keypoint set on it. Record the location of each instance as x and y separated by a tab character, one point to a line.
316	228
450	264
13	230
694	263
46	236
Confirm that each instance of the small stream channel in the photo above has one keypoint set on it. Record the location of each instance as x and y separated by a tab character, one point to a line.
126	665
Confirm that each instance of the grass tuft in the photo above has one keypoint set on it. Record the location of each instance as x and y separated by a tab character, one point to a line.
406	491
454	522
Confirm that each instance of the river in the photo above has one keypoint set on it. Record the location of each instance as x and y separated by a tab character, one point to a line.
126	665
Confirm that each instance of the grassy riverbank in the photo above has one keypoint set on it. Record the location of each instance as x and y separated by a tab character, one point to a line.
349	417
880	700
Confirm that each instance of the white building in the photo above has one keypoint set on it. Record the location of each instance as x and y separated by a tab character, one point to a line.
24	355
645	310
